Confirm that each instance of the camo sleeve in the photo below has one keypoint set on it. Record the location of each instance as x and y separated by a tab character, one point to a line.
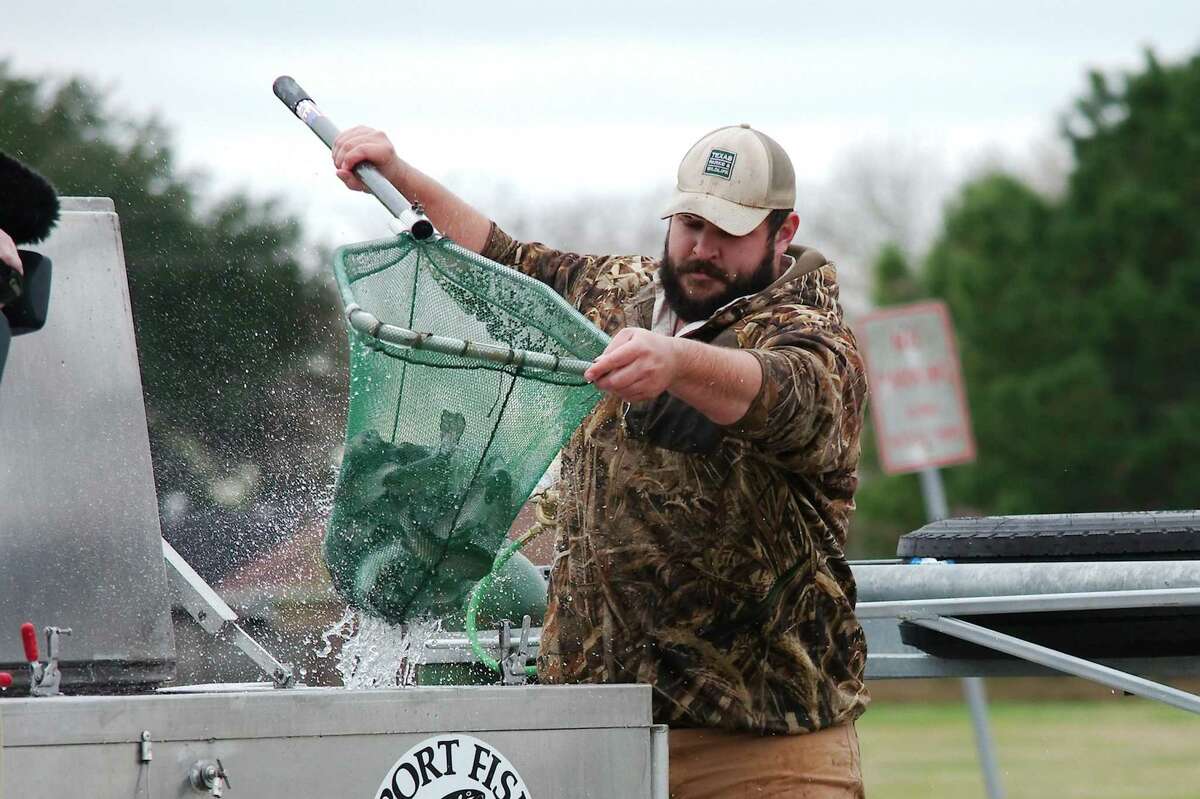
809	410
585	281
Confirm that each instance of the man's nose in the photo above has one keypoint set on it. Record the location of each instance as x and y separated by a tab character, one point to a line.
707	246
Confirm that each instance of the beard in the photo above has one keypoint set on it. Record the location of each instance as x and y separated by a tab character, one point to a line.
693	309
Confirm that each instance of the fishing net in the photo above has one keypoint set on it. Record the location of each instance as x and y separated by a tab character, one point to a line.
443	445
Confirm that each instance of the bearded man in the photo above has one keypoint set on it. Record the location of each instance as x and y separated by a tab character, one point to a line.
703	506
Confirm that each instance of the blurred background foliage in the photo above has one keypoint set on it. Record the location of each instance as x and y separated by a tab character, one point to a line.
240	351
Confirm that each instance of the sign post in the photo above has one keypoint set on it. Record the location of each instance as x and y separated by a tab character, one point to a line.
922	424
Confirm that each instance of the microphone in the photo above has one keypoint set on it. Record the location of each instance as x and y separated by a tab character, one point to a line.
28	203
28	212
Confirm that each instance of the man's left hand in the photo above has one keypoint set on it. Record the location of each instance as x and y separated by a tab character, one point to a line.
8	252
637	365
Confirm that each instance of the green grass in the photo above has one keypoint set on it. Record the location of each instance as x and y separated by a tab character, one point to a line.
1121	749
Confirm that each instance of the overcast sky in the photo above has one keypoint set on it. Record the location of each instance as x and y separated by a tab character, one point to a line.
558	98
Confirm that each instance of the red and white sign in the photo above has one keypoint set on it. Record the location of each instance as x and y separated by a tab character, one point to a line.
917	398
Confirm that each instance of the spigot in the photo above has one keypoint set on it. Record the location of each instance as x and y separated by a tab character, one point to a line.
45	679
209	775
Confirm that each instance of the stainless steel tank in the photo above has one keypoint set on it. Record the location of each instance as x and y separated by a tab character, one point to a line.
79	534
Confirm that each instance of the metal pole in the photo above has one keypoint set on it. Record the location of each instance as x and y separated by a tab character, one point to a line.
936	508
906	584
907	609
297	100
977	702
207	608
660	785
1052	658
934	493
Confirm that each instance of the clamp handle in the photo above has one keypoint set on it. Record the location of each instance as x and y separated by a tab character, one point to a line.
29	639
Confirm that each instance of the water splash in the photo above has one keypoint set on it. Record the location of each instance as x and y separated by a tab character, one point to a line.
375	654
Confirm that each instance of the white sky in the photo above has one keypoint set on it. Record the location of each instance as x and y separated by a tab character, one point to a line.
557	98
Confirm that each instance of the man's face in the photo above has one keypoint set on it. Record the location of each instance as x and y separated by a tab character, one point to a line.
703	267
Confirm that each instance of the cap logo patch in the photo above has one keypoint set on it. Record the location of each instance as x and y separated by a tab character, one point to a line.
720	163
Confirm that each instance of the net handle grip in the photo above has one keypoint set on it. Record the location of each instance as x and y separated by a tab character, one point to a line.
300	103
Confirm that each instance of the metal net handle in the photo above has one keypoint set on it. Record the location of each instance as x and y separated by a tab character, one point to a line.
369	325
409	217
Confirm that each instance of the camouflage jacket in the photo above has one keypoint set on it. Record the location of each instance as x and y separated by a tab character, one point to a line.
716	575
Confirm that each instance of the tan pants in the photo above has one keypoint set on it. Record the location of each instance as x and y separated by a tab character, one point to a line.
707	764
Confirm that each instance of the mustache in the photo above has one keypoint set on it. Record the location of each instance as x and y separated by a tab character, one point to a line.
706	268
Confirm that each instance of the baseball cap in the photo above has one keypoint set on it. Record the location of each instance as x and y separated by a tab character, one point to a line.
734	177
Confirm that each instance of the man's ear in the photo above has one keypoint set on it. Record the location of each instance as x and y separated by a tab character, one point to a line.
786	232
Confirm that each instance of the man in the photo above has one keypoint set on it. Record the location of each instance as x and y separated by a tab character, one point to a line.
704	504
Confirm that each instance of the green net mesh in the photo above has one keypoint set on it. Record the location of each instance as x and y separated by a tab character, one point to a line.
442	451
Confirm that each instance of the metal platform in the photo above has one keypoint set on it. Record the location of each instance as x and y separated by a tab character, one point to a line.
894	593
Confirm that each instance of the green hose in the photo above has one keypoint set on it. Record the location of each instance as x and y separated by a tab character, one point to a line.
477	595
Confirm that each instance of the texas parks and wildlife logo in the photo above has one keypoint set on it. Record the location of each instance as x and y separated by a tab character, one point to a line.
720	163
452	766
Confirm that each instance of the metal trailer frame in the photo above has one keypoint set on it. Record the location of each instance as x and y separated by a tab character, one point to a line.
940	615
898	660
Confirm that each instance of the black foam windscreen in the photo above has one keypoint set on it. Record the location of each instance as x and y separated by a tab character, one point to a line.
28	203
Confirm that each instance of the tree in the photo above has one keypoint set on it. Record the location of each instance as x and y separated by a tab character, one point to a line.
1130	227
1074	316
229	326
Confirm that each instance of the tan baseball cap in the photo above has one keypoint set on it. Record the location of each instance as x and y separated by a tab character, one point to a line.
734	177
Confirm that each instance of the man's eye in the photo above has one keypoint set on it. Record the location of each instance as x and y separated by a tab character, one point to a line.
693	223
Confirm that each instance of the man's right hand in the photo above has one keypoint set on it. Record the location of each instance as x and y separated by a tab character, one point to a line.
449	213
355	145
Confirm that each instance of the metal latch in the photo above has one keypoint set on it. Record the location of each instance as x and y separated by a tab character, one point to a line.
46	678
512	661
